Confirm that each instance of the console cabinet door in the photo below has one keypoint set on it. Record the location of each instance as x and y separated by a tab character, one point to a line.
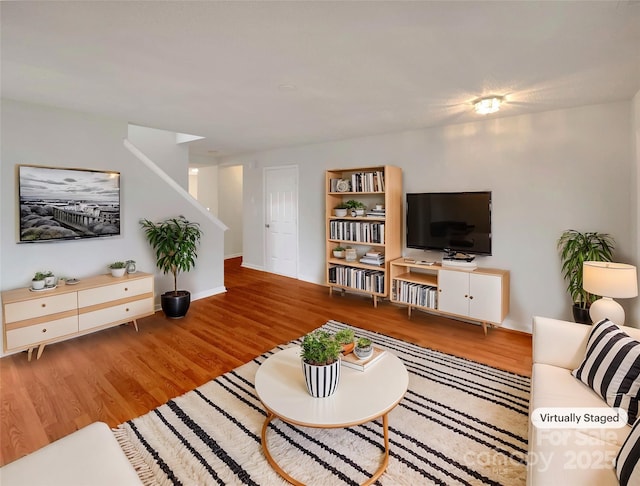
453	292
485	297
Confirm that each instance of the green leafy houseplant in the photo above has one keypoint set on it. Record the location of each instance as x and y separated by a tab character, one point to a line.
344	336
575	248
118	265
175	242
363	343
39	276
320	348
353	204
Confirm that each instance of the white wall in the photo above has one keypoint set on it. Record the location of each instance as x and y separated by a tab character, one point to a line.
230	207
161	147
548	172
38	135
208	188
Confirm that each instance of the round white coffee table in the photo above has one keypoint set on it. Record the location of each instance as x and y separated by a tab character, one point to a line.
361	396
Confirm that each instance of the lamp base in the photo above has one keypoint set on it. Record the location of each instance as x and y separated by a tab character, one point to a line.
607	308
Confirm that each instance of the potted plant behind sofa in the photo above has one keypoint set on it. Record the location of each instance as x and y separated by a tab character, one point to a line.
575	248
175	242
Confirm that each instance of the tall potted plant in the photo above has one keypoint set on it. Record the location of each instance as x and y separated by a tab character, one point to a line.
575	248
175	242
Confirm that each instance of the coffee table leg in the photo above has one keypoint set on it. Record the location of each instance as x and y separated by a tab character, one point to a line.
267	454
385	459
281	472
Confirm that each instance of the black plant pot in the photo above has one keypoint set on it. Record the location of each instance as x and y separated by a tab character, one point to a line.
175	304
581	315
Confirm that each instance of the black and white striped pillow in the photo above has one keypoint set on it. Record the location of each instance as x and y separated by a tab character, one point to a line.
611	367
628	458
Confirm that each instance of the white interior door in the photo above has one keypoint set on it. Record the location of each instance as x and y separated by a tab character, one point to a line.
281	220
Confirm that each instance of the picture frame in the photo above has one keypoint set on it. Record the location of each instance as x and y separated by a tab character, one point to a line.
61	204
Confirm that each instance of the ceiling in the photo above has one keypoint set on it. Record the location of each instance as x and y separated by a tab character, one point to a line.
252	76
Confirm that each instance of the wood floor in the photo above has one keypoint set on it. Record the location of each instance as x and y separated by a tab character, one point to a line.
118	374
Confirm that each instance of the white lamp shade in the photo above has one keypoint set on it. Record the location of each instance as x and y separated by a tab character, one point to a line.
609	279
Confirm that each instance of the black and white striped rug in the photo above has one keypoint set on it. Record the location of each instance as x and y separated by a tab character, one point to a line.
460	422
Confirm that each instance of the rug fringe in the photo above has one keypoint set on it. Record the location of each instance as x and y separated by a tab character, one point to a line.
135	457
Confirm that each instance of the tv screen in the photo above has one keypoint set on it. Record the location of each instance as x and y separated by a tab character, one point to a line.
450	221
67	204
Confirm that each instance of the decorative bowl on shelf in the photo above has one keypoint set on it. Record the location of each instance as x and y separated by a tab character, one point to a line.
340	212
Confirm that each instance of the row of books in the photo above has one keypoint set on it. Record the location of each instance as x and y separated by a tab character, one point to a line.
360	231
415	294
367	181
357	278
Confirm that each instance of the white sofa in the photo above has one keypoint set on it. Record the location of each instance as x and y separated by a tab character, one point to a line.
90	456
580	457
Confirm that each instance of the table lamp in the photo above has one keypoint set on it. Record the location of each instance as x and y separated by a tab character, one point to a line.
609	280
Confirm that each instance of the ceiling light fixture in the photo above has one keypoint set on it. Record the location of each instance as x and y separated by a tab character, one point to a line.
488	104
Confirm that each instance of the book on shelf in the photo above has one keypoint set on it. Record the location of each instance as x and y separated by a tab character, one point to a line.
352	361
372	260
374	253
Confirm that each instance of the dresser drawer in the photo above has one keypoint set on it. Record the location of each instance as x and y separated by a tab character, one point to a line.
108	293
116	314
38	333
41	306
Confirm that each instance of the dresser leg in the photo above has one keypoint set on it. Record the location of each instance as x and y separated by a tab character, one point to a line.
135	324
40	350
29	354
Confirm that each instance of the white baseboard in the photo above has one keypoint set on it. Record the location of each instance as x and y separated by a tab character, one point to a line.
252	267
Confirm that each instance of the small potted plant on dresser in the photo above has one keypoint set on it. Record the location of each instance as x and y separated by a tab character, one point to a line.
345	337
364	348
49	279
37	283
320	354
118	269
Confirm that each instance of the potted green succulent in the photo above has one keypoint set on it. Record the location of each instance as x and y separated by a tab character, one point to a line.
320	354
175	242
37	283
356	207
364	348
49	279
345	337
338	251
575	248
340	210
118	269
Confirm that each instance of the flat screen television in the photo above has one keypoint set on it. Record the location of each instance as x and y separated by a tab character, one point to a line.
450	221
67	204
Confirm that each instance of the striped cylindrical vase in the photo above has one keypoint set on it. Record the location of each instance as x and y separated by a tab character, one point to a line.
321	381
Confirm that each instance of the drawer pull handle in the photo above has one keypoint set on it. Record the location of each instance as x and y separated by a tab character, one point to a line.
471	296
44	305
126	288
126	310
44	330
